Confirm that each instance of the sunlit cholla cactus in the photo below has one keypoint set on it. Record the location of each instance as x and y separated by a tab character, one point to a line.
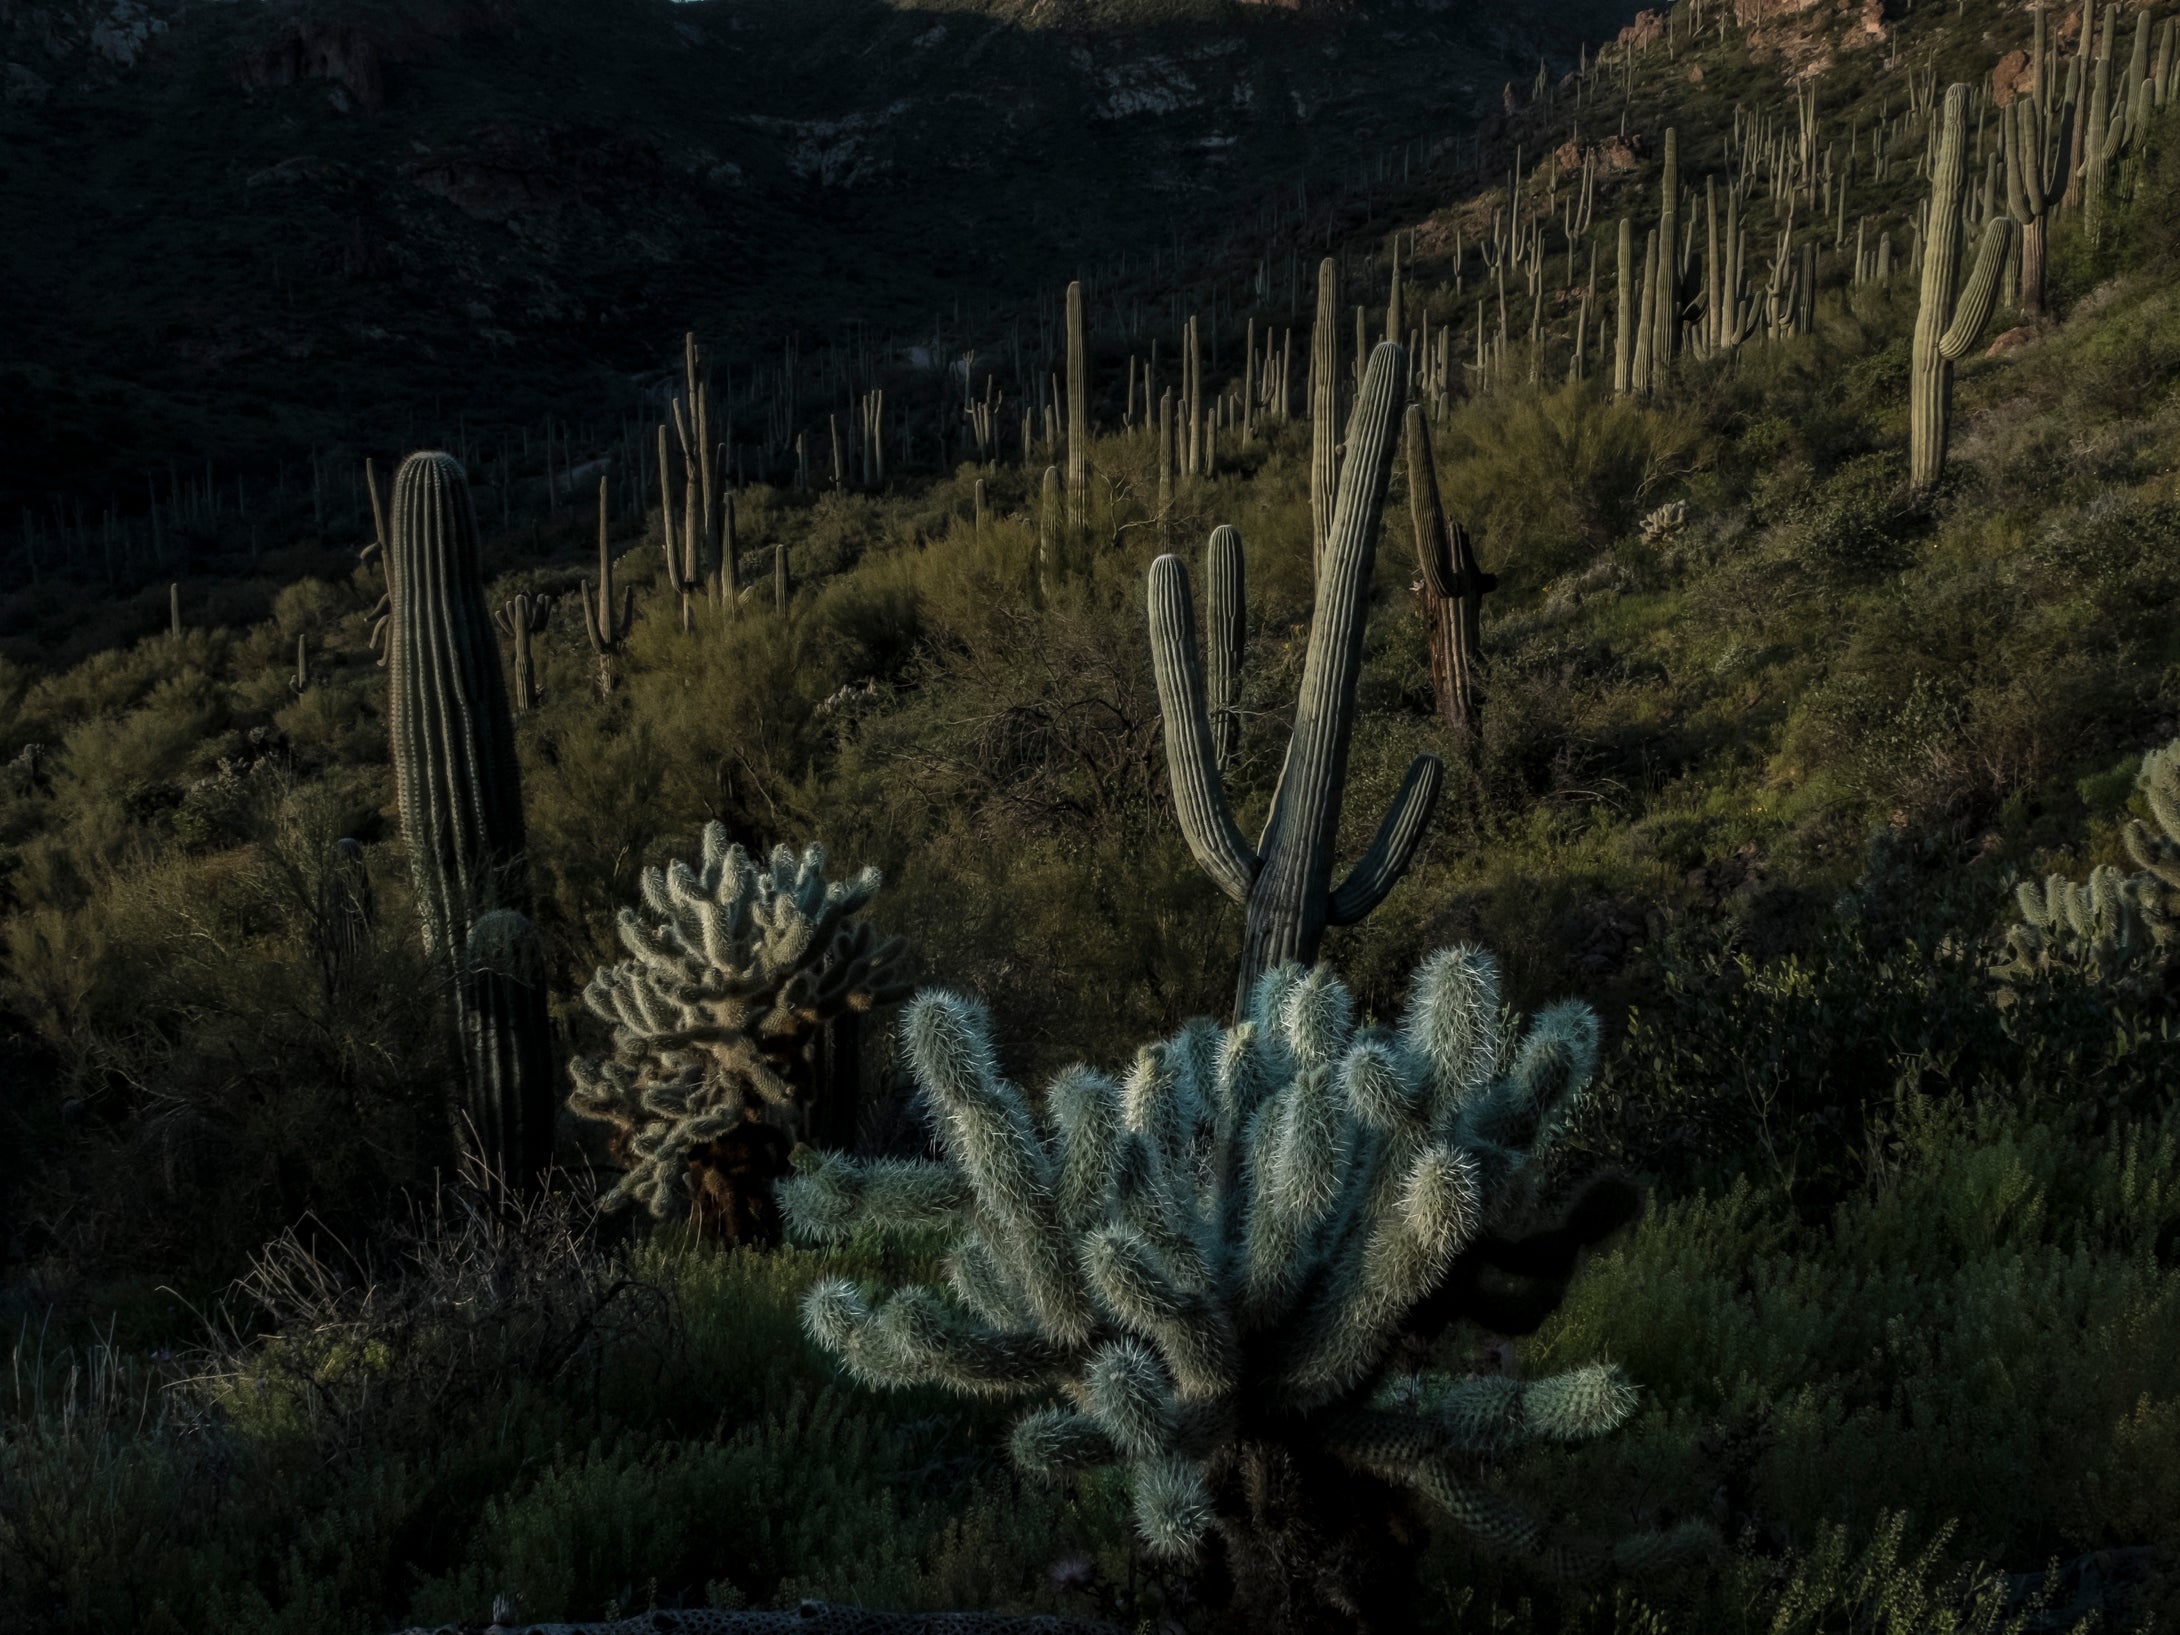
743	964
2113	925
1222	1271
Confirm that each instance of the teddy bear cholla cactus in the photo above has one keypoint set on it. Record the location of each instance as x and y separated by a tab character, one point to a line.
2113	920
1228	1266
714	1013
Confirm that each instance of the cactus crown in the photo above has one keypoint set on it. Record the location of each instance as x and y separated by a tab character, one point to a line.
737	964
1222	1247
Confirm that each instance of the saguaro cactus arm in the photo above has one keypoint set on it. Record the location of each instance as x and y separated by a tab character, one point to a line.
1192	761
1393	848
1972	310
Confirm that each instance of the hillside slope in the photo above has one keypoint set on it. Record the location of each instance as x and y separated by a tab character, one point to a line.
247	231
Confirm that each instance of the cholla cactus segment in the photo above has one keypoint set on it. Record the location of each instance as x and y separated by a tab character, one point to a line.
735	966
2116	926
1206	1268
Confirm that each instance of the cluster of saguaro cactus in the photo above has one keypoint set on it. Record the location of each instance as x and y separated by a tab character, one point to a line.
2112	925
1285	882
719	1015
1947	323
460	796
1222	1271
520	619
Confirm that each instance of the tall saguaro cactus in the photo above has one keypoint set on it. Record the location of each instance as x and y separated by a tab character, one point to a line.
1324	397
460	795
606	625
1946	326
1225	638
1285	882
2032	187
1453	590
1078	413
520	619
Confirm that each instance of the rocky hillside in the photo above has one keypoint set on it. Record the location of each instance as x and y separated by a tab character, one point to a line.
245	230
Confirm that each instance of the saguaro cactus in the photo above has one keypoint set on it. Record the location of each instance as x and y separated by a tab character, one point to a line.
1078	413
2032	187
461	809
1324	411
1225	638
520	619
606	625
1285	883
1203	1274
1453	590
1623	340
1945	327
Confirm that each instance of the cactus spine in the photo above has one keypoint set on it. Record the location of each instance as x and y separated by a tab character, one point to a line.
606	625
1324	397
460	796
519	620
1453	591
1285	883
1945	327
1078	413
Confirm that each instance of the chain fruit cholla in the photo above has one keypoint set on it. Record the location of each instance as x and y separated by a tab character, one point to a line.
714	1019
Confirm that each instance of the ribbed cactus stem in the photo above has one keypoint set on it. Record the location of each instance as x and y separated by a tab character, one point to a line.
1623	341
507	1047
730	547
1078	412
1453	590
1669	270
1224	637
1285	884
779	579
174	612
1166	455
299	683
519	620
1946	328
1324	397
605	624
1049	524
460	795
